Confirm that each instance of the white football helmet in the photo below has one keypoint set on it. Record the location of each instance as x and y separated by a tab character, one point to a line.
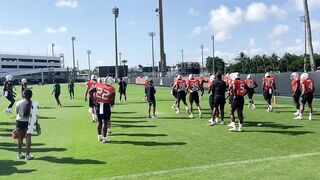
249	76
9	77
304	76
212	78
179	77
294	75
94	77
108	80
236	75
267	75
24	80
190	76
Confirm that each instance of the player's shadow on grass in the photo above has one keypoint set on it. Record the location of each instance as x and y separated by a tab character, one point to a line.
133	126
8	167
120	121
6	144
46	107
5	130
71	106
132	117
291	133
270	125
139	134
7	123
124	112
149	143
172	117
44	117
69	160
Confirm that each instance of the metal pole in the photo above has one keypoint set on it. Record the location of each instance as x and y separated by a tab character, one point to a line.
182	59
115	11
73	57
52	46
162	54
120	58
303	20
89	63
202	58
213	68
152	34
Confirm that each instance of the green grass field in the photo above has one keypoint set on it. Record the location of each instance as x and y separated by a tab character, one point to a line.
170	147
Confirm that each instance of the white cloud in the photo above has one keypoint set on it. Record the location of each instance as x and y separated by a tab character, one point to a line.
279	29
197	30
312	4
276	43
61	29
67	3
222	36
252	42
193	12
261	12
20	32
298	41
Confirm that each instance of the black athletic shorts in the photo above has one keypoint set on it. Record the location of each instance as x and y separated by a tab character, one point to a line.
152	103
307	98
296	97
230	99
250	92
267	95
56	96
175	94
106	112
238	103
91	103
219	101
194	97
211	101
22	125
181	96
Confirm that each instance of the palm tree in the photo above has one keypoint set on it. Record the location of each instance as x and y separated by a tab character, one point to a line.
309	34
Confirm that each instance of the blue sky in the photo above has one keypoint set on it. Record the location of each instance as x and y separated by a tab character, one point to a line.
255	27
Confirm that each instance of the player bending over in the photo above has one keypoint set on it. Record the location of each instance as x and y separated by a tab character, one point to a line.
8	92
268	88
150	91
219	89
296	91
91	84
104	97
123	89
251	84
193	88
181	87
238	92
307	90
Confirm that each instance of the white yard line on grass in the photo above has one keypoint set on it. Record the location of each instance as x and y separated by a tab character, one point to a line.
204	167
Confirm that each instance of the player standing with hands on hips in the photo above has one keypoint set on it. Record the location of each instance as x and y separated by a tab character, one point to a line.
193	88
268	88
307	90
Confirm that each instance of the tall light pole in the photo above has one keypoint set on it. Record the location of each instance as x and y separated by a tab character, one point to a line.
124	67
162	53
152	34
89	63
120	58
213	69
115	11
182	55
52	48
309	34
303	20
73	58
202	58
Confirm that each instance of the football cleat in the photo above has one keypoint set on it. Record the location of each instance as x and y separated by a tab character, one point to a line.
222	123
154	117
200	114
105	140
191	115
217	120
29	157
253	106
298	117
232	126
100	138
178	111
310	117
109	133
21	156
240	127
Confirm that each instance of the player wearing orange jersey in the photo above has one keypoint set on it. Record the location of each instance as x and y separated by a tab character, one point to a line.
193	86
251	84
89	85
268	88
307	90
181	87
296	91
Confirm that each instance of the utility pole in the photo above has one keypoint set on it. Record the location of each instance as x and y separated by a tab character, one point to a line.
162	53
89	63
309	34
52	47
303	19
115	11
73	57
202	59
182	59
213	68
152	34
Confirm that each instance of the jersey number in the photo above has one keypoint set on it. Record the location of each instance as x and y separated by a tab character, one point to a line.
102	93
242	89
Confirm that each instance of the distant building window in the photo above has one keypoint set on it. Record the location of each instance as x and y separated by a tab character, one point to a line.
26	60
25	67
9	59
37	67
40	60
9	67
54	61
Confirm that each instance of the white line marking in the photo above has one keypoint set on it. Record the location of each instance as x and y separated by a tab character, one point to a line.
204	167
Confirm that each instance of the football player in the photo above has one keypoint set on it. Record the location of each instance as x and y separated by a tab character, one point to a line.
174	93
23	84
104	97
71	89
150	91
123	89
202	82
238	92
296	91
91	84
219	89
251	84
8	92
181	88
56	91
307	90
268	88
193	87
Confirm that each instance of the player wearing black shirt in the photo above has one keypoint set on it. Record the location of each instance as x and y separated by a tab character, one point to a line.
9	93
150	92
123	89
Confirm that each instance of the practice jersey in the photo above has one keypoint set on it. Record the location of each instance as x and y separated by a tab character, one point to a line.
193	85
91	84
268	83
251	83
308	85
104	93
181	85
238	88
295	85
146	82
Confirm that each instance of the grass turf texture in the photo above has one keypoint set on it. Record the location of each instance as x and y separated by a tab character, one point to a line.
68	146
